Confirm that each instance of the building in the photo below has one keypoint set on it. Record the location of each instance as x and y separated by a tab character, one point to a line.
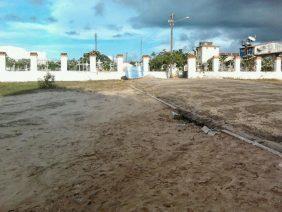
206	51
228	54
265	49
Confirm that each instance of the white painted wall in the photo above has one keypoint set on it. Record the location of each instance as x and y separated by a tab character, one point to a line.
120	65
215	64
64	62
2	62
258	64
237	73
277	65
191	66
93	63
206	53
33	62
146	66
65	75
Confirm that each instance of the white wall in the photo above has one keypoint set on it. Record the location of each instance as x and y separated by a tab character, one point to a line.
28	76
237	73
65	75
207	52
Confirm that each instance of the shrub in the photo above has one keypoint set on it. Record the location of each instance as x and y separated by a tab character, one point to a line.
48	82
267	64
248	64
124	78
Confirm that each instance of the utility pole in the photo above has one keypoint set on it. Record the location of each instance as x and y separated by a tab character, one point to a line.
171	23
96	42
141	48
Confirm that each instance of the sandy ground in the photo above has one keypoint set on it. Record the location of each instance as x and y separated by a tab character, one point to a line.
254	107
121	151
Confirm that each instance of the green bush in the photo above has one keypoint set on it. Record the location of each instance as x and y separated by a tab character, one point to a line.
163	60
267	64
48	82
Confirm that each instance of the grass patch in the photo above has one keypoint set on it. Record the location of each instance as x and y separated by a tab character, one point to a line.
17	88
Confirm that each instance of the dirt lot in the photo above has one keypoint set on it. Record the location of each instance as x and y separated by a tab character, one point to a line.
120	150
254	107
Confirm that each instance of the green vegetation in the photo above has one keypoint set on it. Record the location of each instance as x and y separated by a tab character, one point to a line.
50	65
161	61
267	64
72	64
17	88
106	62
22	64
54	65
48	82
13	88
10	89
248	64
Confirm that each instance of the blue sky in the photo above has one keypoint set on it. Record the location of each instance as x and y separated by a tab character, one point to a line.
69	26
55	26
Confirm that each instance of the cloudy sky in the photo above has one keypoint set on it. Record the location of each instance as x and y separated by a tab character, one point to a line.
55	26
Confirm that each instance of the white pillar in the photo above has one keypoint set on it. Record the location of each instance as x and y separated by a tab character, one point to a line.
258	64
120	65
93	62
192	66
237	64
64	62
215	64
146	64
2	61
33	61
277	65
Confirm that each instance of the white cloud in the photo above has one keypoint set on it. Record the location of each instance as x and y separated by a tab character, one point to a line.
78	17
51	28
20	53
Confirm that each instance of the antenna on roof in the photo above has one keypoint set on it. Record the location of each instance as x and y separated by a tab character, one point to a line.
249	41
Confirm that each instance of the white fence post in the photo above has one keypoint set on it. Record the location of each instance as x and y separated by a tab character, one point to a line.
120	65
192	66
33	61
237	64
215	64
258	64
146	64
93	62
277	66
64	62
2	61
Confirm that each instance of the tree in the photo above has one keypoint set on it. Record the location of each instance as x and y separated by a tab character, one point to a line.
248	63
161	61
54	65
107	63
22	64
267	63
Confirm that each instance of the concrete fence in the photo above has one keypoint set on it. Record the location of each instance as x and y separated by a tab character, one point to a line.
237	73
34	73
91	72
